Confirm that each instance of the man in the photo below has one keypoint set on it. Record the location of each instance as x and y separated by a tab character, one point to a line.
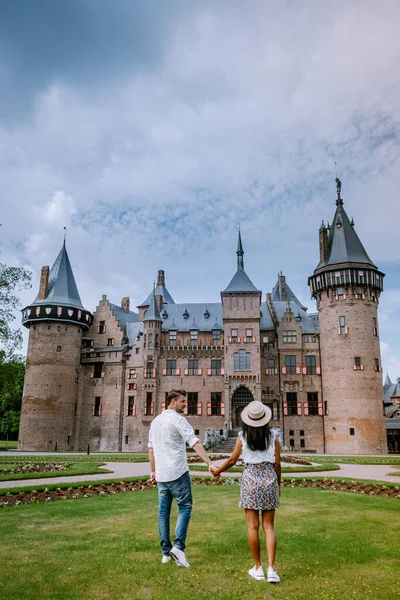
168	436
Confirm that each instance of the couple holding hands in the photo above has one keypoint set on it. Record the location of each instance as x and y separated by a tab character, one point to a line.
260	481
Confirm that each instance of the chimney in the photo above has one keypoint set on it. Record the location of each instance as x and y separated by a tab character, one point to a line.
323	243
44	282
161	278
282	286
159	300
125	303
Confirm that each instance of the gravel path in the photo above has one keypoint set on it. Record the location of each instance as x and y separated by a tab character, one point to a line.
129	469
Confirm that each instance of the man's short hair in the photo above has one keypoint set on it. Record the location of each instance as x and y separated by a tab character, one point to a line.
174	394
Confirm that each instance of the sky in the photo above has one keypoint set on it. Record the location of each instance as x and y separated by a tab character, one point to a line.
151	130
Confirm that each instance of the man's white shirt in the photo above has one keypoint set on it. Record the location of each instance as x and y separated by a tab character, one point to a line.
169	433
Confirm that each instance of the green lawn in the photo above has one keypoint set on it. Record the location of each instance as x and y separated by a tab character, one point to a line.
393	459
330	545
55	457
8	445
294	469
81	468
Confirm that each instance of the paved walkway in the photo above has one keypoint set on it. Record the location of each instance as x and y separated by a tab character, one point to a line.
129	469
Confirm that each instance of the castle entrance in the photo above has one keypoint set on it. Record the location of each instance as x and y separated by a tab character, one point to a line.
241	397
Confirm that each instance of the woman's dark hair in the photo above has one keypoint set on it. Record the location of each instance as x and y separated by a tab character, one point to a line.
257	438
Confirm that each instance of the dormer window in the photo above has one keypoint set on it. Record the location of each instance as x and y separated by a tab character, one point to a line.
193	336
206	314
164	314
186	314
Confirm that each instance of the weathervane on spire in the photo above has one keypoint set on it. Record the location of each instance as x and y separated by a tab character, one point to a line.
338	187
65	235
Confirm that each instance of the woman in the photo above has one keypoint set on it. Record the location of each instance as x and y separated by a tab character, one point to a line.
260	482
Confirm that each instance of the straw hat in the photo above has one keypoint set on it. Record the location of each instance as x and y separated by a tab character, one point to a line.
256	414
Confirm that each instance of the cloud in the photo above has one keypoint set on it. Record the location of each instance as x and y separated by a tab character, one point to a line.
59	209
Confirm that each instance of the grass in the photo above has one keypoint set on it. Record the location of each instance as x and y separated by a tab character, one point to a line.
56	457
330	545
354	460
4	445
83	468
294	469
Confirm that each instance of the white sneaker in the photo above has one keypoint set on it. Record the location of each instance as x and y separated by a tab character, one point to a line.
179	557
166	558
257	573
272	576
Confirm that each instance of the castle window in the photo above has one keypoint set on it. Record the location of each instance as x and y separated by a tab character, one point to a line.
343	329
290	363
58	328
216	400
110	342
150	371
131	386
289	337
357	364
193	365
291	443
75	409
171	367
126	439
132	373
58	348
148	408
311	364
102	327
172	338
216	333
137	350
265	339
87	343
98	370
131	406
291	399
97	406
376	366
312	399
302	443
234	336
216	367
150	341
352	432
301	432
193	336
197	432
291	432
249	336
271	366
69	440
375	326
242	361
193	398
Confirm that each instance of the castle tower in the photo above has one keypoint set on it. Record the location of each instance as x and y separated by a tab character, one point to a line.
55	321
152	324
346	285
241	313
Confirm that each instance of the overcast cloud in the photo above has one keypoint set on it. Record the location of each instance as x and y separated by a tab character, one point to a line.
152	129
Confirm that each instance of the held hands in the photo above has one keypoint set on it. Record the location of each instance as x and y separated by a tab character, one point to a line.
213	470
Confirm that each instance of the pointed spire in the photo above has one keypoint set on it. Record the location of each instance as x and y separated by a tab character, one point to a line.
152	313
240	252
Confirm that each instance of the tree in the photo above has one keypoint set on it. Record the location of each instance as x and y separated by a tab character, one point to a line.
12	374
12	279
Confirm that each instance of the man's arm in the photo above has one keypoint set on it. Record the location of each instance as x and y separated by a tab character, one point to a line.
200	451
152	466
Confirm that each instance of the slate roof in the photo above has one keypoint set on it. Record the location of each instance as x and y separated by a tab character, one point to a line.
123	317
343	242
160	290
288	295
152	313
391	390
240	282
195	311
133	330
62	288
308	323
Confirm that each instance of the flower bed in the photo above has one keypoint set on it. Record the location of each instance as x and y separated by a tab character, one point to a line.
108	489
296	460
34	468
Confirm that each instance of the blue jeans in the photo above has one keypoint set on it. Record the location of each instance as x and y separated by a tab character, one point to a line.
181	490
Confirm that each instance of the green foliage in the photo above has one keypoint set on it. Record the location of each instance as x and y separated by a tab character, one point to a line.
12	280
11	385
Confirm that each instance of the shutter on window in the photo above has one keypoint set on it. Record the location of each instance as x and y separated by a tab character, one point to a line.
298	371
244	340
361	367
229	340
339	331
222	371
363	296
318	370
163	405
299	409
283	370
153	373
186	371
102	373
208	409
209	371
92	375
222	409
178	371
239	339
185	410
285	409
199	409
100	407
134	411
200	371
320	409
93	410
305	409
276	371
254	340
164	371
304	370
152	409
346	330
126	411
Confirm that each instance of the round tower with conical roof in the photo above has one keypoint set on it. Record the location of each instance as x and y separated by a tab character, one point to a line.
346	285
56	320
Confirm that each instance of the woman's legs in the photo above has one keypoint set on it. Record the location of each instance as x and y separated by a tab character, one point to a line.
253	524
268	517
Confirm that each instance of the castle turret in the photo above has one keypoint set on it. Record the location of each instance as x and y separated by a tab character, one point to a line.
55	321
346	285
241	312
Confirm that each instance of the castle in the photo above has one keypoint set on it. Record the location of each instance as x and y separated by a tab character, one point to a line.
99	379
